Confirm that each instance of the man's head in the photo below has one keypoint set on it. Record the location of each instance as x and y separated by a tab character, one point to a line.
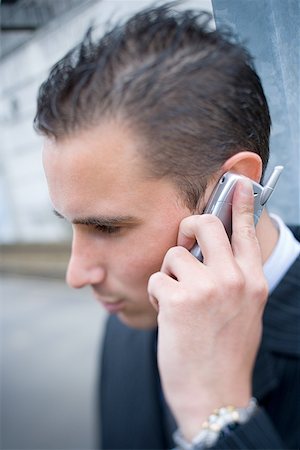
137	127
190	93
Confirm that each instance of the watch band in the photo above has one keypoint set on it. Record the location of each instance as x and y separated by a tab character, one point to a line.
224	418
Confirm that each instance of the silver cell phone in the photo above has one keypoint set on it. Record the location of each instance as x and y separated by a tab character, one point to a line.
220	201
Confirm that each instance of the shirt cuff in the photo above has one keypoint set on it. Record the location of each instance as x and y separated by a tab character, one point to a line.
258	433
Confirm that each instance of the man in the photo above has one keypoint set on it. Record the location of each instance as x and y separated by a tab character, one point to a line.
139	127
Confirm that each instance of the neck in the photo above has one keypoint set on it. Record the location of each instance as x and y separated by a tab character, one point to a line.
267	235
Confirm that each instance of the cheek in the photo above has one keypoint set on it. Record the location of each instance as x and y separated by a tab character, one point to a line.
147	257
136	270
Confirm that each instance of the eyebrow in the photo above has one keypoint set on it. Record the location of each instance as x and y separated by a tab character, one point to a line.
102	221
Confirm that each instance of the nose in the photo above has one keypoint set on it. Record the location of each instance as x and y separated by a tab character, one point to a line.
85	267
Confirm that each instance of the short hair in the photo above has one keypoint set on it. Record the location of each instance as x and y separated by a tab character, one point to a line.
191	92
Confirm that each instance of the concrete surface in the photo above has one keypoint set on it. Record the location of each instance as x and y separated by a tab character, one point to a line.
50	341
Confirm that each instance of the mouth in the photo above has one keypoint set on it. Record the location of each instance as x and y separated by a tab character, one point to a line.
111	306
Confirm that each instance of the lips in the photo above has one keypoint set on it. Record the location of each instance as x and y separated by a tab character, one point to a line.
113	307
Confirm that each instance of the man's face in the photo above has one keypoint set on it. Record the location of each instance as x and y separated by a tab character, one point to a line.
123	220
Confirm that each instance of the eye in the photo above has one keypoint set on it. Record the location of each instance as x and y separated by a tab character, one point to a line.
106	229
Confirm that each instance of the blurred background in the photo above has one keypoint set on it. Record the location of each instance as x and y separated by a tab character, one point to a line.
50	335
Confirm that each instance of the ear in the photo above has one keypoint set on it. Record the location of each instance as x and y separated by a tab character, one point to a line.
244	163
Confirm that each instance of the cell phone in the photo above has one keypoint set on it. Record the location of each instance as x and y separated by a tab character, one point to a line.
220	201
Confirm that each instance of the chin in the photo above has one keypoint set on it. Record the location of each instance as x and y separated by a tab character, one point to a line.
139	321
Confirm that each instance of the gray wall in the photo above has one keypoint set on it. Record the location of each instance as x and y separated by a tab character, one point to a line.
271	31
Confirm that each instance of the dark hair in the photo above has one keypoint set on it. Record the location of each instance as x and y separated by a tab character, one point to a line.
191	92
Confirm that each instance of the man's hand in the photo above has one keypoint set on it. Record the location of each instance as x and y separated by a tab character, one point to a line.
210	313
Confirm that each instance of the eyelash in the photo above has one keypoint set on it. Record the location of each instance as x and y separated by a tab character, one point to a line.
107	229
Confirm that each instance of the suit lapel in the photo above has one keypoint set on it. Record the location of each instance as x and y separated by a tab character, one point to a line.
280	332
131	413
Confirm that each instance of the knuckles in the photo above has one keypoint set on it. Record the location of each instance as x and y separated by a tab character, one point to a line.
175	252
210	219
231	286
245	232
237	282
234	281
156	278
260	291
204	220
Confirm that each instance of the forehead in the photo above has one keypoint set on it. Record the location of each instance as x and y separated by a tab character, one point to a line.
108	145
100	168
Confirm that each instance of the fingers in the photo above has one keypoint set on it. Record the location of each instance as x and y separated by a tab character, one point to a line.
179	263
160	286
211	237
244	242
225	263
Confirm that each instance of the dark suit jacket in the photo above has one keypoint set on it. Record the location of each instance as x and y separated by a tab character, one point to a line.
135	416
